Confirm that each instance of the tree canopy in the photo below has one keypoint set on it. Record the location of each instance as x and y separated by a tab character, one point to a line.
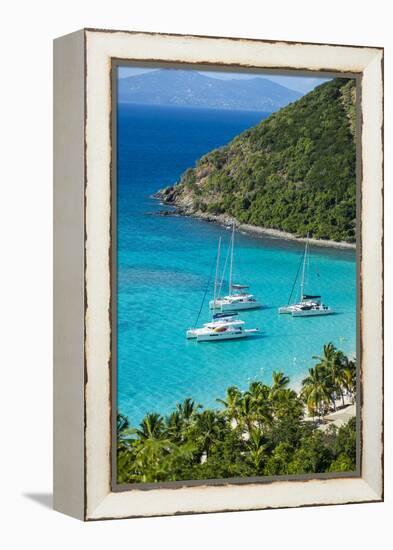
262	431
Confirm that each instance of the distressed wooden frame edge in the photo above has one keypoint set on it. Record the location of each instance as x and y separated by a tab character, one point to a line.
103	507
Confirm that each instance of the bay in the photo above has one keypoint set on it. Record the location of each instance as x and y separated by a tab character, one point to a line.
164	264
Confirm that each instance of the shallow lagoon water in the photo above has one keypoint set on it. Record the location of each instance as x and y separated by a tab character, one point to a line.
164	264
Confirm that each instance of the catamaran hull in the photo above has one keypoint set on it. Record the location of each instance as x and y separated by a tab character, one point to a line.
219	336
285	309
312	313
234	306
295	307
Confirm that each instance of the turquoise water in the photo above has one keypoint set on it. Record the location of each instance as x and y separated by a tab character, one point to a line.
164	264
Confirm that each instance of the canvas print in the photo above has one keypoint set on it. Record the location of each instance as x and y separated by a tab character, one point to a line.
236	275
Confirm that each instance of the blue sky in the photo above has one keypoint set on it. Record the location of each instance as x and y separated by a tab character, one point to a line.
301	84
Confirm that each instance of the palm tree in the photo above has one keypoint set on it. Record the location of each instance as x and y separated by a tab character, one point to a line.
260	406
232	402
280	381
187	409
331	362
247	412
151	448
208	428
122	423
175	426
348	377
256	448
151	427
124	448
178	423
316	391
258	391
285	402
123	433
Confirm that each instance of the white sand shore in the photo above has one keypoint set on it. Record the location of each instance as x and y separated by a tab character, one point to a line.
340	417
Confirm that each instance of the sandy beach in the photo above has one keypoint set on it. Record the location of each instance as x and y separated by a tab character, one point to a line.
339	418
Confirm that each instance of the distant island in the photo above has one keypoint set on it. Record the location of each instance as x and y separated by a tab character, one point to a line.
294	172
182	88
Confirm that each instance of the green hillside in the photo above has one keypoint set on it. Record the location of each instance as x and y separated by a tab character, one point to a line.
295	171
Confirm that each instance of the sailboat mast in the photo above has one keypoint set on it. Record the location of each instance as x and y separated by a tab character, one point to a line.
231	264
304	271
217	269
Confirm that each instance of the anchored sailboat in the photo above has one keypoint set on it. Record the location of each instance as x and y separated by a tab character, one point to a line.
238	298
223	326
309	304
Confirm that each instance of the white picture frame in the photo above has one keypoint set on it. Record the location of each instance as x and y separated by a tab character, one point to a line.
82	335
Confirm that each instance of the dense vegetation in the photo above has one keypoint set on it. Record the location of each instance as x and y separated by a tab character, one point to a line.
262	431
295	171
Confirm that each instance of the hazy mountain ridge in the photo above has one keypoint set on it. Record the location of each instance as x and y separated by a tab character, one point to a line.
184	88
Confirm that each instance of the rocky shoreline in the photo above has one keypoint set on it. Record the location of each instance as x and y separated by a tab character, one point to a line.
255	231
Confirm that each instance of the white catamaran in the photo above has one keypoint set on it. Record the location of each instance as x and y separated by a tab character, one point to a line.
223	326
238	298
310	305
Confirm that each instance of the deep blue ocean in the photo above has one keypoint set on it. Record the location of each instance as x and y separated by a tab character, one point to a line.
164	264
